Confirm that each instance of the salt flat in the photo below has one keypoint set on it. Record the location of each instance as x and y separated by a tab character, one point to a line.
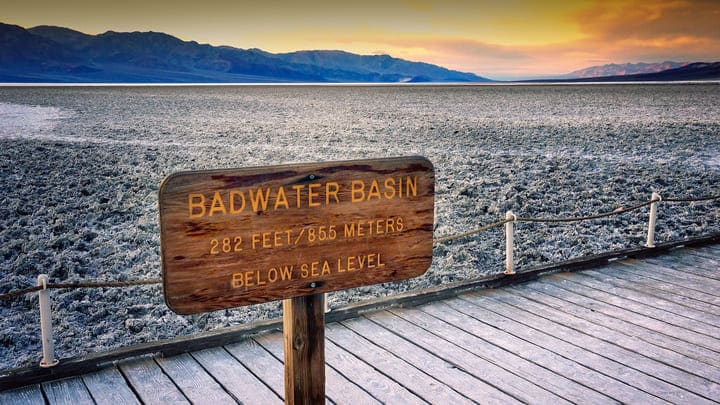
80	169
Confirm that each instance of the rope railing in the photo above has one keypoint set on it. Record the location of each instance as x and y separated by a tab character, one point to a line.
100	284
617	211
44	286
708	198
436	241
471	232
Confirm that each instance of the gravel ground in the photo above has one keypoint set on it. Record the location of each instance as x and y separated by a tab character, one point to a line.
80	169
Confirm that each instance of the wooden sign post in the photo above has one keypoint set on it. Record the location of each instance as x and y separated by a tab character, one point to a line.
237	237
304	337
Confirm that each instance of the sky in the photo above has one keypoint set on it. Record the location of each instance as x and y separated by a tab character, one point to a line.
509	39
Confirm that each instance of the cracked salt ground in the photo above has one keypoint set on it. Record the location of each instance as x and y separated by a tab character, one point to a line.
80	169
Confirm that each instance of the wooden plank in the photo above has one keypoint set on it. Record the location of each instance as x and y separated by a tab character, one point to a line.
675	281
627	275
702	266
713	250
709	252
168	347
692	272
237	380
644	328
702	254
150	383
691	278
441	324
693	331
378	385
338	388
68	391
197	385
393	366
622	337
617	276
496	375
109	387
235	237
692	257
702	277
304	337
261	363
444	371
639	371
28	395
562	376
659	301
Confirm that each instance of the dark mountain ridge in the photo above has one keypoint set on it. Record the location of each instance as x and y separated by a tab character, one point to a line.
689	72
57	54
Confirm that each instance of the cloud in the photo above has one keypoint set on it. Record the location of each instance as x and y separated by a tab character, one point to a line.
664	29
617	31
459	46
455	53
620	20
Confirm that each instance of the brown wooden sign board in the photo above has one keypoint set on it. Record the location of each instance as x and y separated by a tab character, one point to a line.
245	236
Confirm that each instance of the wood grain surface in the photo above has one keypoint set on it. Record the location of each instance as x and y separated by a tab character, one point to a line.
237	237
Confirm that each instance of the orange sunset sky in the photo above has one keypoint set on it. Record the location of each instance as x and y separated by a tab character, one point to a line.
498	39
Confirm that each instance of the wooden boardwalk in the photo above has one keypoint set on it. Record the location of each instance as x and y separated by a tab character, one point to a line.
635	331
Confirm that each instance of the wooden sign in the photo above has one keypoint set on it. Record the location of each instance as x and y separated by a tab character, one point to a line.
245	236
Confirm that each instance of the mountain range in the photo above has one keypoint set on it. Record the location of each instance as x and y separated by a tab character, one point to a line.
56	54
624	69
60	55
685	72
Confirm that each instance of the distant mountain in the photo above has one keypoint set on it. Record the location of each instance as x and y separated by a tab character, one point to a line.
343	66
56	54
693	71
625	69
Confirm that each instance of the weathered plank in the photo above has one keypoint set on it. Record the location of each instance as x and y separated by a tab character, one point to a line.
235	378
713	250
586	368
490	372
339	389
197	385
702	255
28	395
637	370
261	363
674	277
446	372
150	383
698	260
378	385
693	331
393	366
646	329
443	321
108	386
626	275
691	280
622	337
659	301
68	391
693	272
617	276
